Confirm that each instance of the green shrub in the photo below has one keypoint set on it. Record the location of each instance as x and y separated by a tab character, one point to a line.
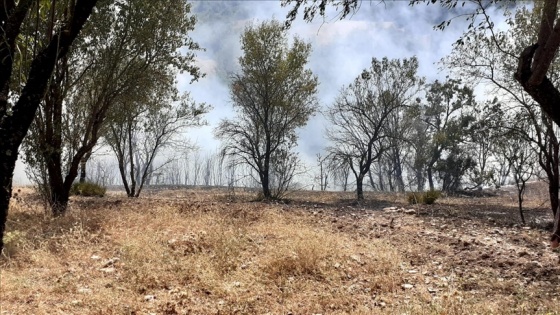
427	198
87	189
415	197
431	196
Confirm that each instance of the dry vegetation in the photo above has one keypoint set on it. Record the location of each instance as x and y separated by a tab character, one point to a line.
208	252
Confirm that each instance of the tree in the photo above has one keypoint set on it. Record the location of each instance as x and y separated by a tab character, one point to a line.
520	157
490	58
446	124
36	58
530	70
481	144
339	167
360	114
323	176
273	95
139	132
129	50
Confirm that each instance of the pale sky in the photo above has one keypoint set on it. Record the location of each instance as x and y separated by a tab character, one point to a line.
341	50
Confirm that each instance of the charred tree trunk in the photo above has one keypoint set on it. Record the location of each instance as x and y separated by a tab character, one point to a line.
265	183
520	191
7	165
360	187
83	167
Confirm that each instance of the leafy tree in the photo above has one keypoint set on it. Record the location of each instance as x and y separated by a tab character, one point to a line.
481	144
360	114
27	61
130	49
445	122
273	95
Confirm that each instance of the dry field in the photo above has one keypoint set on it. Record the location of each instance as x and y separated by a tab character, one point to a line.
193	251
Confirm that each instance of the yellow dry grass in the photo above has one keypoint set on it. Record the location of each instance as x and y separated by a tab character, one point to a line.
198	253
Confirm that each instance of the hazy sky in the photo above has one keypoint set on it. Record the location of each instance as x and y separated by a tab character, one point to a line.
341	50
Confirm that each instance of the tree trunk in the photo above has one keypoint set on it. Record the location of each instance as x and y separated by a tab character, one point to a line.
345	183
548	97
371	181
430	179
7	165
360	187
83	171
420	180
520	191
58	200
83	167
265	182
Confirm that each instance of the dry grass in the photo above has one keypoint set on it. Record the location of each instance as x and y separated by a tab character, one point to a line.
196	252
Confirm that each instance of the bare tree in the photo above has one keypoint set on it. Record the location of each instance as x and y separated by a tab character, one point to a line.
323	172
140	132
360	115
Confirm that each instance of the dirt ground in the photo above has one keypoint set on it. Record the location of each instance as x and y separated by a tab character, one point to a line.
313	253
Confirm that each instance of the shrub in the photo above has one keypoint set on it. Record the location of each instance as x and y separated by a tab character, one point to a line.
431	196
87	189
415	197
427	198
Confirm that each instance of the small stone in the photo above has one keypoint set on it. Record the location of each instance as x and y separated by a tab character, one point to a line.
407	286
391	209
84	290
95	257
149	297
110	262
108	270
356	258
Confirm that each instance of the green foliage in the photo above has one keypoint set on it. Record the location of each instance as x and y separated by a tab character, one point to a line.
12	241
273	95
429	197
87	189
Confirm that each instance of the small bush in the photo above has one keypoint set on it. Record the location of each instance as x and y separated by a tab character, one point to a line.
87	190
431	196
427	198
